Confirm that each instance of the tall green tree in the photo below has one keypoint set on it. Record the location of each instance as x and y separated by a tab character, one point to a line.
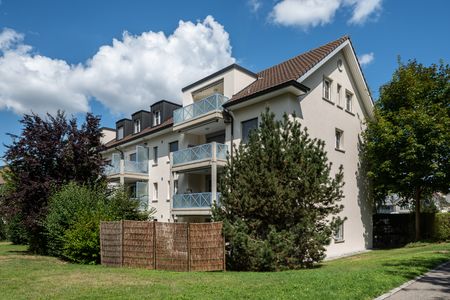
279	200
408	142
49	152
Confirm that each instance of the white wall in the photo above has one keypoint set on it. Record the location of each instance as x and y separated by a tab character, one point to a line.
322	118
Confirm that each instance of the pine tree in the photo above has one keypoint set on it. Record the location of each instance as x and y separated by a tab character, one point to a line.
278	201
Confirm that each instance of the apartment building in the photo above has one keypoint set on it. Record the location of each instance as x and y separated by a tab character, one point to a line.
172	156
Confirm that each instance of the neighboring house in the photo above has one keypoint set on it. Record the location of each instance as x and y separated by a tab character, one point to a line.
108	134
172	156
438	202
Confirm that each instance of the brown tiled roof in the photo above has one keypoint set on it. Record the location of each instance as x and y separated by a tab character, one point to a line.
287	71
149	130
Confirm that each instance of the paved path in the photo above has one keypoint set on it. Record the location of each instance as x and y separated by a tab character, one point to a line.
433	285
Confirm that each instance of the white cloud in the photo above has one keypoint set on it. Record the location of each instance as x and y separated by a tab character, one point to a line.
34	82
363	9
312	13
255	5
366	59
126	76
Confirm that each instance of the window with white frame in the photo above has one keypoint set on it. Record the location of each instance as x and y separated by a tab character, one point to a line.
137	126
348	101
120	133
327	89
339	95
156	117
155	191
339	234
339	139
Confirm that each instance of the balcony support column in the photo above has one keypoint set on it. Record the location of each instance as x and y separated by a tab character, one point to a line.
122	171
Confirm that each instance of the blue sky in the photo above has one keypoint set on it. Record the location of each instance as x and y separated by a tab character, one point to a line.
60	54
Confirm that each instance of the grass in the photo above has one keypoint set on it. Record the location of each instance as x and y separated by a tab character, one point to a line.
364	276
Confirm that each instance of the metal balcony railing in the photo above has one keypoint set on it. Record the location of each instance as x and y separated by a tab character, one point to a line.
198	153
199	108
195	200
136	167
112	169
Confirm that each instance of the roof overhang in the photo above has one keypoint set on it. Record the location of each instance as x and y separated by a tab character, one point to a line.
293	87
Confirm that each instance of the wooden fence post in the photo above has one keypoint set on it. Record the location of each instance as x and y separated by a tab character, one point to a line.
154	244
121	242
188	246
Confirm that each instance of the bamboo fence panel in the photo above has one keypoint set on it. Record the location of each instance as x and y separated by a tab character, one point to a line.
171	246
163	246
111	243
206	247
138	241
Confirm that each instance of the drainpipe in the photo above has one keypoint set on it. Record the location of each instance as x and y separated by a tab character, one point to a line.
228	113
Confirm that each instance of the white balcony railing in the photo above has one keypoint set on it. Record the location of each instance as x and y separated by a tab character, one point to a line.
195	200
199	153
199	108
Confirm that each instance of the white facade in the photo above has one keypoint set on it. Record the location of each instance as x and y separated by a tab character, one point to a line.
186	180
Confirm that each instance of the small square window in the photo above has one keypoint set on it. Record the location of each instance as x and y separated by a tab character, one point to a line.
327	89
339	135
339	234
348	101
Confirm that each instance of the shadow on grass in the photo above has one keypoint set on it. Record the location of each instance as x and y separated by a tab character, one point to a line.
411	268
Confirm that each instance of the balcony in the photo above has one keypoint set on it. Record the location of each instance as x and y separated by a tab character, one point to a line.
112	169
136	167
194	201
200	154
206	109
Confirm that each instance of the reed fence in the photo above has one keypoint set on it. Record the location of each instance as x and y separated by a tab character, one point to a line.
163	246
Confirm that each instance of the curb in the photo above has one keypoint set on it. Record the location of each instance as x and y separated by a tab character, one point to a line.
406	284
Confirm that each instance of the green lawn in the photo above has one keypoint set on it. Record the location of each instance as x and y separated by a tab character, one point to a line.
24	276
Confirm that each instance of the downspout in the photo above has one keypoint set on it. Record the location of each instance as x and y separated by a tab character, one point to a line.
122	156
232	133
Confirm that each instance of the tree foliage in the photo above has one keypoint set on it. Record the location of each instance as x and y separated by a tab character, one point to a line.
49	153
408	142
278	201
74	215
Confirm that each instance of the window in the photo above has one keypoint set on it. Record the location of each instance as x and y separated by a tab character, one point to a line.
168	190
120	133
137	126
339	234
327	89
173	146
133	157
156	117
175	186
155	191
339	139
339	95
247	127
155	155
348	101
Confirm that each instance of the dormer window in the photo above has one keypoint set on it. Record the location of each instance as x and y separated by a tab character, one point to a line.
137	126
156	117
120	133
